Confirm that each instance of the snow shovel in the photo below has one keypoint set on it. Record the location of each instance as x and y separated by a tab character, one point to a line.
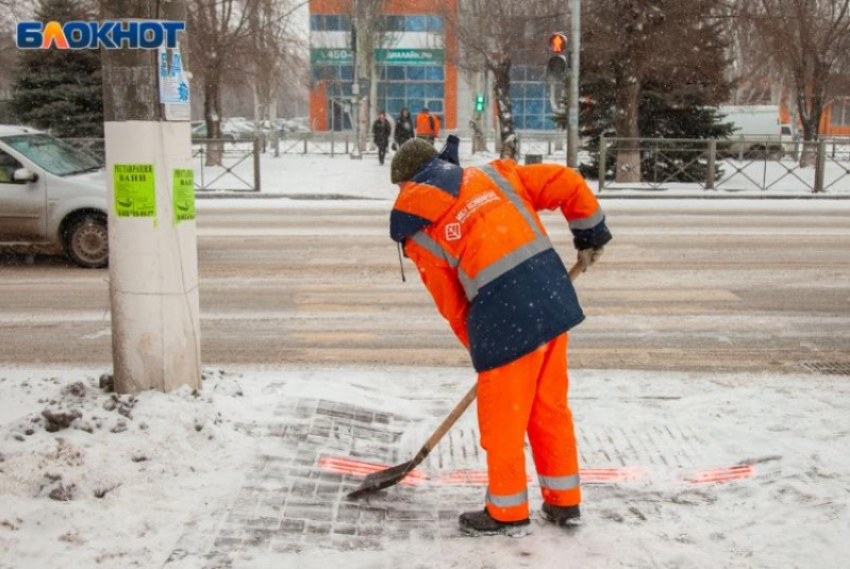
392	476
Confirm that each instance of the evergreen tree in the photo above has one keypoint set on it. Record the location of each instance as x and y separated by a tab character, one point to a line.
60	90
664	61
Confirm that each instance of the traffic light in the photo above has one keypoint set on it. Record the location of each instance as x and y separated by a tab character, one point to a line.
480	103
558	43
558	60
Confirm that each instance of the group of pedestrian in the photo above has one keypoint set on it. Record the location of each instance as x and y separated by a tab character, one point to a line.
426	127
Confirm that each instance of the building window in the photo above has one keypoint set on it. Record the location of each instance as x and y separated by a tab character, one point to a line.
419	23
840	113
530	97
330	23
435	24
333	73
412	86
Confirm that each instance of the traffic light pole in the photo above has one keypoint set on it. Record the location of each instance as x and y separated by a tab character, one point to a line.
575	61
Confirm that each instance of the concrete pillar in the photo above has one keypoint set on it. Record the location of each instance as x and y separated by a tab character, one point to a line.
153	265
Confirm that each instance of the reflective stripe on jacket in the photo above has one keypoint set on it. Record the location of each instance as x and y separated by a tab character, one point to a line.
484	255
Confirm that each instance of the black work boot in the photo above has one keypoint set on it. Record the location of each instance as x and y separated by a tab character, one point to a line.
482	523
563	516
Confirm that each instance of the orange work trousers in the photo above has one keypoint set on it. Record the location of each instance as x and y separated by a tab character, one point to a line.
528	395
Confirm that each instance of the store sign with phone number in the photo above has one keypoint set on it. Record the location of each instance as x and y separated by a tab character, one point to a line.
325	56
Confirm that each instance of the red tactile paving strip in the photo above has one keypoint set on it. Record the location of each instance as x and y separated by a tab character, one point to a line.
340	465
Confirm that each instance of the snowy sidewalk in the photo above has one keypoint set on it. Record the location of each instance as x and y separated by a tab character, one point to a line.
250	473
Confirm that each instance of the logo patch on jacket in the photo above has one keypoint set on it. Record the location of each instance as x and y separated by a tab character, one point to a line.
453	232
476	204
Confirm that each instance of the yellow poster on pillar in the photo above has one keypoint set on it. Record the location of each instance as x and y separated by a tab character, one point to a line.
135	190
183	195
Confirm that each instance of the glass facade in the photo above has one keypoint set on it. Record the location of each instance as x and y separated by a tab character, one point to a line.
330	23
342	23
333	73
411	86
411	65
419	23
530	96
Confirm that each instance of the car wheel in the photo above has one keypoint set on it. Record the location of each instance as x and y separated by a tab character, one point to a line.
87	242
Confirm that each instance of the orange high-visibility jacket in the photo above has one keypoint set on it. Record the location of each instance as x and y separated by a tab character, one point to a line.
427	125
484	255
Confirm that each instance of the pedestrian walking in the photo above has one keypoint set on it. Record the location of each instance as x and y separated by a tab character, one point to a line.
427	126
381	132
404	128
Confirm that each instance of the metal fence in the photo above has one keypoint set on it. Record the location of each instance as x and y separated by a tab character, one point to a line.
651	164
542	143
221	165
724	165
331	143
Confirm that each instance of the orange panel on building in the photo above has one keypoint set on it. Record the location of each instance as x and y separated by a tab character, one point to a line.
828	126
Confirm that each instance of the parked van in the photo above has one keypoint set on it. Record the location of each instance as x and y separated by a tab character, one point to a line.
52	198
758	131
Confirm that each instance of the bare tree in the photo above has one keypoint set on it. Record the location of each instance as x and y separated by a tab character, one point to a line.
809	41
18	9
495	34
368	18
274	54
217	28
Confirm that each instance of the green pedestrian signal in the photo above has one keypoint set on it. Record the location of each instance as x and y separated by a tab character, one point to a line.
480	103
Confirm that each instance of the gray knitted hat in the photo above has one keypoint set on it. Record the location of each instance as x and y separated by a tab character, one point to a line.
409	158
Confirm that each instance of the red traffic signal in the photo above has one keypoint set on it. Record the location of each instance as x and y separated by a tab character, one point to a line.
558	43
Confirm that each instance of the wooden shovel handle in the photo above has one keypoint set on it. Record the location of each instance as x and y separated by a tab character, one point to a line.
576	271
459	410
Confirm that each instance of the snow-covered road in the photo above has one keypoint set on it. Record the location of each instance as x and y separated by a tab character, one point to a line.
686	284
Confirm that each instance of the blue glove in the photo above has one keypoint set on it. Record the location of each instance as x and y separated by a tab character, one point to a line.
450	152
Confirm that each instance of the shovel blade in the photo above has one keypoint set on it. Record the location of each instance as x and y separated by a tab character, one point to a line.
383	479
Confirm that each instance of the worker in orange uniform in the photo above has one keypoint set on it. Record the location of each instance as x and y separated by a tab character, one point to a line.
482	252
427	126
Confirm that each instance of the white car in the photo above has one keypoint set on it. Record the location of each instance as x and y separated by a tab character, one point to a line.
758	131
232	130
52	198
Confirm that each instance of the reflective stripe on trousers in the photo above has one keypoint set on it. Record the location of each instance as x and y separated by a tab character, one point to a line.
510	261
507	501
559	482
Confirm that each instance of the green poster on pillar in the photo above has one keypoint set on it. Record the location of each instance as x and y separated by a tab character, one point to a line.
183	187
135	190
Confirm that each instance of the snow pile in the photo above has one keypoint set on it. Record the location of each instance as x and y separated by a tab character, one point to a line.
88	476
165	479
